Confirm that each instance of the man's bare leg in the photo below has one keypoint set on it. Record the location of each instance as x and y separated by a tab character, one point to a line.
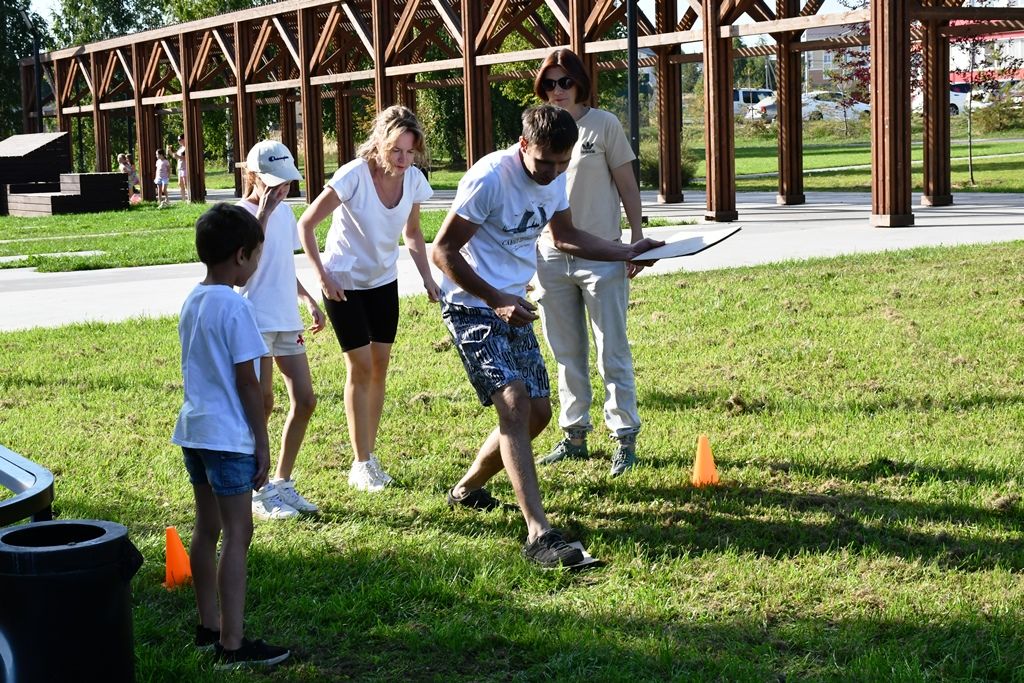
520	419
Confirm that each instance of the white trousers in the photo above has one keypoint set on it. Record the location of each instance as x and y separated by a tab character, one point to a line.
571	289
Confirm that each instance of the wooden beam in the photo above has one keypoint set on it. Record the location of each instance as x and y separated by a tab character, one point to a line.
172	58
937	185
517	56
968	13
811	8
581	13
437	65
326	34
312	107
796	23
273	86
601	9
383	25
346	77
477	90
561	11
359	26
127	68
489	25
288	39
256	48
993	28
405	22
226	49
659	40
670	112
450	19
85	69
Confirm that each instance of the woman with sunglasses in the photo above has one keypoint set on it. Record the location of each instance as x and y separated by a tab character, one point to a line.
599	179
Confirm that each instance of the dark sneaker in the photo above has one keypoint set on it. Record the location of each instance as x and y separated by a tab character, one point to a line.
624	459
476	500
565	449
253	653
206	638
551	551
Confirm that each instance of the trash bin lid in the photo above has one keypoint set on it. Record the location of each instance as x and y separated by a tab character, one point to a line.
61	546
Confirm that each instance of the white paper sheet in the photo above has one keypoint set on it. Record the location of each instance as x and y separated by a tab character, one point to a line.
688	243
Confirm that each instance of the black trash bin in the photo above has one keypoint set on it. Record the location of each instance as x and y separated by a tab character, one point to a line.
65	602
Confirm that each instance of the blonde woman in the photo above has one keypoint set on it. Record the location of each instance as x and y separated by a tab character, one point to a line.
374	199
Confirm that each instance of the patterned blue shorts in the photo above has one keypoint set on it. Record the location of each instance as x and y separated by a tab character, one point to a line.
494	353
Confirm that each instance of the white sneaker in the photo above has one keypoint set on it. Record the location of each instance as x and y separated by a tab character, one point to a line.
379	471
363	477
267	504
291	497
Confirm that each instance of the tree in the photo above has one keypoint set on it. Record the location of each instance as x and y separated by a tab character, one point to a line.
851	76
987	65
15	44
77	22
190	10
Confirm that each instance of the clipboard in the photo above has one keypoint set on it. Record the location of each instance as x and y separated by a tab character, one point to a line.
688	243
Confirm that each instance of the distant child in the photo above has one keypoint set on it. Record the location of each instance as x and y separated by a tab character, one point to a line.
133	174
163	177
123	167
182	166
222	430
270	170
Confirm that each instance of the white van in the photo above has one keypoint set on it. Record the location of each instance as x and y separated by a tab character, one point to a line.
958	93
745	98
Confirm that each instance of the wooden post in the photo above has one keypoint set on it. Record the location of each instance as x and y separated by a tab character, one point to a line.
100	118
789	111
477	88
383	26
289	131
192	123
27	103
60	77
937	182
579	12
890	114
312	107
670	111
719	140
343	125
245	103
146	141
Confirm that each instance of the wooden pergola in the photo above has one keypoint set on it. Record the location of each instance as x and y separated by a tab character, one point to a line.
306	51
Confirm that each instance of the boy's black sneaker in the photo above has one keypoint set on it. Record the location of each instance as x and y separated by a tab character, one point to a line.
480	499
550	551
206	638
253	653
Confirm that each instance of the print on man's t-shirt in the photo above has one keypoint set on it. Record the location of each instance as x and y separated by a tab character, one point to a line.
525	223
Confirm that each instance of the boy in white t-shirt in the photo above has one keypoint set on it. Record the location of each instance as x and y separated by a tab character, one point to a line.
270	170
486	250
222	430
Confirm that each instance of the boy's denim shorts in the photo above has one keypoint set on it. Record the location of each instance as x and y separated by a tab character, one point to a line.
228	474
494	353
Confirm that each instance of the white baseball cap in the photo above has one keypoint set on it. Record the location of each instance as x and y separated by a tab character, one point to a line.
273	163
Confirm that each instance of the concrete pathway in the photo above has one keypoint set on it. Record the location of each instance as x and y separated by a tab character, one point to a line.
829	224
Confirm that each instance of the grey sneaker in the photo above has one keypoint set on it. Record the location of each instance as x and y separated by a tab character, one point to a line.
549	550
565	449
624	459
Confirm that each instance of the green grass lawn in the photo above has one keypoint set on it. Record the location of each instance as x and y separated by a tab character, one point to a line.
867	527
140	236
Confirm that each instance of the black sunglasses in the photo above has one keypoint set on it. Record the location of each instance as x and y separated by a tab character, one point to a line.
565	82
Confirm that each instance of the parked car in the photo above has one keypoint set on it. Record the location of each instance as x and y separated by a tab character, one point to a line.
958	94
744	98
815	106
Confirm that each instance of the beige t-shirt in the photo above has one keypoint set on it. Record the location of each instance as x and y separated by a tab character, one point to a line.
593	198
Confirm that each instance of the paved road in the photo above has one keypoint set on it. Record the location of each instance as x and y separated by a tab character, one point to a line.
830	224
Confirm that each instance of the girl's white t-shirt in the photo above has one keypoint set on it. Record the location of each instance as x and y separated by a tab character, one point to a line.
272	288
363	239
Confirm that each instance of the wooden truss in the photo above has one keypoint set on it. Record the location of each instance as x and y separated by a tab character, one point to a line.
299	52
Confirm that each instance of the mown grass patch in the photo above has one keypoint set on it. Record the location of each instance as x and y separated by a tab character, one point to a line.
866	414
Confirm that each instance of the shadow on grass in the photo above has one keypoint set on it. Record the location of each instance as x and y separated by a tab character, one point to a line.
404	613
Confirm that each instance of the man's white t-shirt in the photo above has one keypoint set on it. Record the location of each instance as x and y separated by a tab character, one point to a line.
511	210
272	288
217	330
363	238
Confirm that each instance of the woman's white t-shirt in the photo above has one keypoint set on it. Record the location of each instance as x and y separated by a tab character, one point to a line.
272	289
363	238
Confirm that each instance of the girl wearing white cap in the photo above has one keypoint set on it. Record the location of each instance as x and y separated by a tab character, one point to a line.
270	170
374	199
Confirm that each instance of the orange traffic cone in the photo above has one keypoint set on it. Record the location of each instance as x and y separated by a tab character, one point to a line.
179	570
704	472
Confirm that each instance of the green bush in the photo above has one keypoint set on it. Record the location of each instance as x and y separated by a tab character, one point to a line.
650	163
1000	116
